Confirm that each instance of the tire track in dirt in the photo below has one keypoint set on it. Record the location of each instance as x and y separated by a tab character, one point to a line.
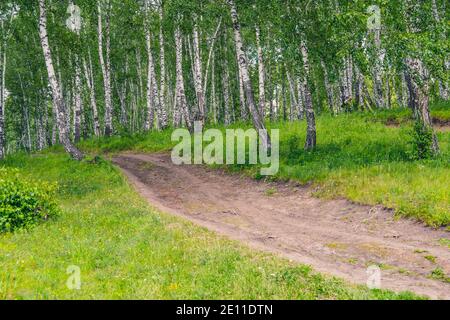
335	237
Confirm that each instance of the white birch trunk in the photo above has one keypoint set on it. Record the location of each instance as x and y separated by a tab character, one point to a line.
213	89
163	89
198	74
328	87
243	66
150	118
180	91
56	91
2	98
301	99
78	102
293	99
226	97
345	90
309	110
242	104
89	77
359	82
106	68
378	71
261	75
443	86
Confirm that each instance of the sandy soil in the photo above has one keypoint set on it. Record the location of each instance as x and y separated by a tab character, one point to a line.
335	237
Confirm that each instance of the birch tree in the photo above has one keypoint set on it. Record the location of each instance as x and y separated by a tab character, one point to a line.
162	64
181	101
198	73
261	74
105	64
378	69
89	78
309	110
243	69
56	91
2	90
417	78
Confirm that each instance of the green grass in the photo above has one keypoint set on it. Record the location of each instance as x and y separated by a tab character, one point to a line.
127	250
151	142
440	111
370	163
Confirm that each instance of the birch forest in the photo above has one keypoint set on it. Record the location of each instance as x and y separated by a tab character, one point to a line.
73	70
225	150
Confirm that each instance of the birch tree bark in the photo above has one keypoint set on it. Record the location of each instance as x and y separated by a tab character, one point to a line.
346	96
418	86
153	98
301	99
309	110
150	117
417	79
443	86
78	102
198	73
359	82
89	77
40	129
56	91
261	74
226	97
2	96
150	114
106	67
180	91
121	90
213	89
163	121
243	67
210	58
328	87
294	100
378	71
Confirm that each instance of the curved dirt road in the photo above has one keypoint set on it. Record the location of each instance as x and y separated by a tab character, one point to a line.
335	237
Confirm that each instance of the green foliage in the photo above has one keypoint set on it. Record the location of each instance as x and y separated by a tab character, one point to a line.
422	141
23	202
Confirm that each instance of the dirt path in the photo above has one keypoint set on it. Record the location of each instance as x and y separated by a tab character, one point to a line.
335	237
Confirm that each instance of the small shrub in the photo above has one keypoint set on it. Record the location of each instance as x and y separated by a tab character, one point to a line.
422	141
294	149
24	203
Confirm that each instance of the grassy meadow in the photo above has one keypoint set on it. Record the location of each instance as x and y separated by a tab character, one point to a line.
127	250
